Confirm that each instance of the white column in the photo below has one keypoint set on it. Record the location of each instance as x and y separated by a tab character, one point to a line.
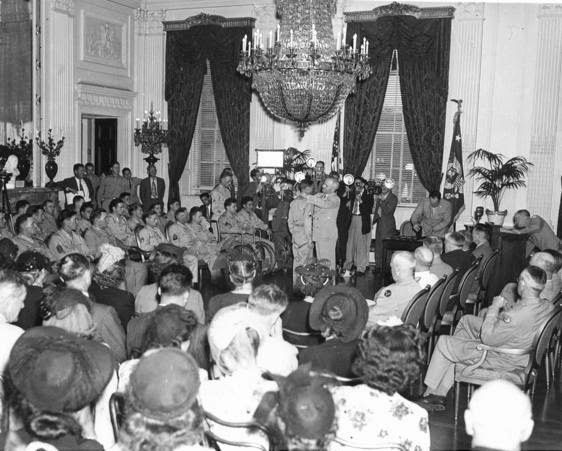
545	152
58	93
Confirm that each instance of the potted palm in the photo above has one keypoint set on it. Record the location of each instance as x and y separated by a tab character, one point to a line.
495	177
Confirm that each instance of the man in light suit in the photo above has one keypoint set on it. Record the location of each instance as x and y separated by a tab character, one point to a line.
111	187
77	185
151	189
324	227
432	216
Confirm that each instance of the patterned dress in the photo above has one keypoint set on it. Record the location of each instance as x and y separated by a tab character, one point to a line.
368	417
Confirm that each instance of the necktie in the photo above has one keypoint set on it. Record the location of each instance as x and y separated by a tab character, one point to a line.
154	191
80	185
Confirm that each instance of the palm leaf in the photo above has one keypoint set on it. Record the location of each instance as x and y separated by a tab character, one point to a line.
491	158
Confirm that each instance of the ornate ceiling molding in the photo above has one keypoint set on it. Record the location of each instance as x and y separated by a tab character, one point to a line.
400	9
149	21
550	10
208	19
465	11
64	6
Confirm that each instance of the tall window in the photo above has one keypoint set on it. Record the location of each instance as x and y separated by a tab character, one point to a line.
391	152
207	157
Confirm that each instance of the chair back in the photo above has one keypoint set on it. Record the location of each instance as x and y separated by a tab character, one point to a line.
167	229
468	284
432	305
488	268
251	425
116	412
448	290
414	310
406	229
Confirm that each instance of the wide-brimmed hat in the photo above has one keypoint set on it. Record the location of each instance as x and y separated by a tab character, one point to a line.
58	371
312	277
342	308
164	384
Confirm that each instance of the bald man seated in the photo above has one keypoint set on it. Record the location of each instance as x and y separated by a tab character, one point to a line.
499	417
423	274
390	301
553	285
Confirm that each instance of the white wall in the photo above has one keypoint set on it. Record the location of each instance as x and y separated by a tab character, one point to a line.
505	65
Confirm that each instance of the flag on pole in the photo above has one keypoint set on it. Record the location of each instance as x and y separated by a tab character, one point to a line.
336	163
453	190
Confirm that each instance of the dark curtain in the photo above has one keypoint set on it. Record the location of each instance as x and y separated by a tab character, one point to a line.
233	94
186	54
363	108
423	55
15	61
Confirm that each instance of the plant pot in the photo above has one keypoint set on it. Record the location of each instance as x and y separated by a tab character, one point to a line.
51	169
24	165
496	217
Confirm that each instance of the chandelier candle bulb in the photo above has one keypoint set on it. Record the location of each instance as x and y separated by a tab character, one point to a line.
344	34
270	42
249	47
367	48
291	40
244	42
278	32
338	42
355	43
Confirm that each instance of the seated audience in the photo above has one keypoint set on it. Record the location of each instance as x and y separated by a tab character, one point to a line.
5	231
241	274
52	379
97	235
173	206
83	222
481	237
26	237
469	244
248	218
503	325
8	252
163	412
340	313
135	217
126	198
273	354
499	417
553	285
66	240
558	259
541	236
302	414
454	254
158	208
230	225
12	295
34	268
174	287
269	302
37	213
438	266
236	394
75	272
49	223
388	361
116	224
309	281
77	203
390	301
205	206
108	287
21	208
423	274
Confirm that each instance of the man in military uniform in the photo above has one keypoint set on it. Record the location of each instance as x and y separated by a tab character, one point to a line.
300	226
433	216
151	236
541	236
131	185
26	240
248	218
97	235
49	222
505	325
93	178
229	225
390	301
66	241
324	227
111	187
117	224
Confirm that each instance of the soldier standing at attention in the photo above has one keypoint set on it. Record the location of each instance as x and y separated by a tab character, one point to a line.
111	187
324	227
300	226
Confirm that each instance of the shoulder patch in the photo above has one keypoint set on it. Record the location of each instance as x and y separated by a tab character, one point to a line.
387	293
174	237
60	249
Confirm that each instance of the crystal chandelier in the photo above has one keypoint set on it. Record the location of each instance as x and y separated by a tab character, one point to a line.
151	135
301	73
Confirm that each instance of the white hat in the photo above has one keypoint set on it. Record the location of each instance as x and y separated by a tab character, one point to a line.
109	256
389	183
299	177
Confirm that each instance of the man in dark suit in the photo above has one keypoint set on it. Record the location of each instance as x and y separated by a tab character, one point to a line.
77	185
385	206
359	235
481	237
454	254
151	189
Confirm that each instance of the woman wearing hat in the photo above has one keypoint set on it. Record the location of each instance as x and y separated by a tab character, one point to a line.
340	313
50	382
385	206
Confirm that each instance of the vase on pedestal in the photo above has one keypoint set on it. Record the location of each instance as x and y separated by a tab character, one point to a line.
51	169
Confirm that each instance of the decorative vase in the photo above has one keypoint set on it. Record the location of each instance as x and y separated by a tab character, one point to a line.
51	169
496	217
24	165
